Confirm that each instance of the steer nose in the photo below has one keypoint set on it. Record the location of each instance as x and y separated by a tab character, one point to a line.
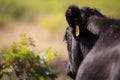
69	71
71	75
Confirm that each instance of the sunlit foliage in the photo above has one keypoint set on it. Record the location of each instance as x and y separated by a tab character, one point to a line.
22	62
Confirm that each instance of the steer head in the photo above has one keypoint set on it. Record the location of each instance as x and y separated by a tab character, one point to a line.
79	39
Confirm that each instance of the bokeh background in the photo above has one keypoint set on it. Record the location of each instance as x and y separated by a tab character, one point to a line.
44	21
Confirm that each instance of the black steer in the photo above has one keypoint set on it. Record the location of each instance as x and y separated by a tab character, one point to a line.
96	37
78	45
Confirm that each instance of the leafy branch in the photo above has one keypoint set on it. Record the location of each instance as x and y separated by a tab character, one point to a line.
21	60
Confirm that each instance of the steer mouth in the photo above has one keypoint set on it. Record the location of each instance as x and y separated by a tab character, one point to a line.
71	75
69	72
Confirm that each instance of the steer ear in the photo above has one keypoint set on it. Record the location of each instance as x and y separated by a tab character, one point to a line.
92	16
73	17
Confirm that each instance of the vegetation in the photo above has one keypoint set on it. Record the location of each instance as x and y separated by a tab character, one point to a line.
21	62
22	9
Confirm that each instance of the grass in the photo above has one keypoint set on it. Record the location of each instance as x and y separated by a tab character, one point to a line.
22	9
52	21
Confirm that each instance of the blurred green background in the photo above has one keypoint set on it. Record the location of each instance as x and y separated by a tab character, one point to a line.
44	21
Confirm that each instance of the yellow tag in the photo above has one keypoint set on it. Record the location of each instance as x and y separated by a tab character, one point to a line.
77	31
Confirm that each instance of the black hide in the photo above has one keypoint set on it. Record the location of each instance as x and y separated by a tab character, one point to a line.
103	61
93	28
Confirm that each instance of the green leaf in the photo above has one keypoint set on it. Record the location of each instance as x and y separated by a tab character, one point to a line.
41	78
48	55
23	49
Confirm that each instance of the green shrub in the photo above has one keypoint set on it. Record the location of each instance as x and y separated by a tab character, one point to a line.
26	64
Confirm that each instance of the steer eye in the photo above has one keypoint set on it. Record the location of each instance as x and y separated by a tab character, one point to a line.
65	41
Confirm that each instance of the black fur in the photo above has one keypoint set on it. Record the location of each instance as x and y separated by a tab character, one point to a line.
103	61
93	28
